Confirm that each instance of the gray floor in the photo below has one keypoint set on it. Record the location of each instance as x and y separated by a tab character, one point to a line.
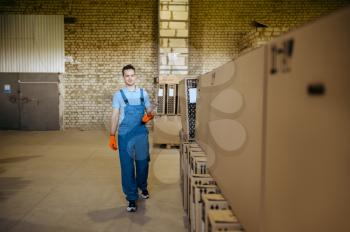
70	181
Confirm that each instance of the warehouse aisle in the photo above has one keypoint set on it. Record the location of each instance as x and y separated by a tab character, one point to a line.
70	181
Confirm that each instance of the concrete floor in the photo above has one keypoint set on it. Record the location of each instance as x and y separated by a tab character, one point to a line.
70	181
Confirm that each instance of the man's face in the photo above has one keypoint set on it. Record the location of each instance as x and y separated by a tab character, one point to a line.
129	77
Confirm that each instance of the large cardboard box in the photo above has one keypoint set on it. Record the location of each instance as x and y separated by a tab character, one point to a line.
230	131
202	109
278	130
306	179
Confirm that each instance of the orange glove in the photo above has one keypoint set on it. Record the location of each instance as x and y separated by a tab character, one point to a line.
147	117
112	143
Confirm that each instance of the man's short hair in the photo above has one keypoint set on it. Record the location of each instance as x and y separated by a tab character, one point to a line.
126	67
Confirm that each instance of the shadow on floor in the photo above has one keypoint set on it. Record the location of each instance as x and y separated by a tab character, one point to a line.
6	224
10	225
10	185
17	159
110	214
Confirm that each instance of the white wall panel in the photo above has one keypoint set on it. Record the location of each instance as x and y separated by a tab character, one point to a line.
32	43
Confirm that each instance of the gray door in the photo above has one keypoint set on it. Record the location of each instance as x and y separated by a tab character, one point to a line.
29	101
9	101
39	101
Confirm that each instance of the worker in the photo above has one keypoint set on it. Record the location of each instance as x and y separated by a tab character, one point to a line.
131	109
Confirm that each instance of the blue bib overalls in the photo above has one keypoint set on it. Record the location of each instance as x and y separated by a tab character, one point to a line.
133	149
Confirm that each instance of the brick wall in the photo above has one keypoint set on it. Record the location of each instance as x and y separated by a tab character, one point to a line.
173	37
107	34
216	27
258	37
111	33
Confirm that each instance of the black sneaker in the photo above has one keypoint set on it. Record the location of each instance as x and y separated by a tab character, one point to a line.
132	206
144	194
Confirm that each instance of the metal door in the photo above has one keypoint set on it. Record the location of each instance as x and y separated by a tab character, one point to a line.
39	102
29	101
9	108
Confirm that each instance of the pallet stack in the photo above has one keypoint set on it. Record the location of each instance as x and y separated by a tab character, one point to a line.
167	122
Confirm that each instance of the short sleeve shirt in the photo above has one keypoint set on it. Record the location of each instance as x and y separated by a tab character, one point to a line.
134	98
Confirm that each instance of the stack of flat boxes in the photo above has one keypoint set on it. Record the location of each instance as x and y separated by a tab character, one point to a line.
200	184
184	147
184	163
197	186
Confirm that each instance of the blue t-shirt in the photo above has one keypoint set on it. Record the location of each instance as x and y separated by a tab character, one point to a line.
134	98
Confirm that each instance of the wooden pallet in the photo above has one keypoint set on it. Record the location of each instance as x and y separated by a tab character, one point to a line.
169	146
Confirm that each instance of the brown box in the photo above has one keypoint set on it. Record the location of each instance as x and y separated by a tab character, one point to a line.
182	149
166	130
196	205
191	164
198	184
222	220
212	202
232	127
199	165
189	173
197	179
194	149
281	141
307	157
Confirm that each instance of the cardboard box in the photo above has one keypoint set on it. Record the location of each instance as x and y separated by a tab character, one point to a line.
196	205
195	150
276	120
197	179
199	184
199	165
212	202
307	156
222	220
232	127
166	130
189	172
